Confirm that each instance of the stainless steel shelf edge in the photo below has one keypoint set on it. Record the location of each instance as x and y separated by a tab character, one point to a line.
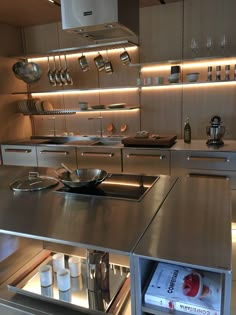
82	49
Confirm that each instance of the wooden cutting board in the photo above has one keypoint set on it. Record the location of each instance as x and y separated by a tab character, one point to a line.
164	141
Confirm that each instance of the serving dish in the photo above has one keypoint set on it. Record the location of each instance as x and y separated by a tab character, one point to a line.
118	105
98	106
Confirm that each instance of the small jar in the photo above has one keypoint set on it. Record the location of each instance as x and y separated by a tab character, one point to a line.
209	74
227	72
218	73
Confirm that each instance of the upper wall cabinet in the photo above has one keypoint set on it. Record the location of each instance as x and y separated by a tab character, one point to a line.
209	28
161	32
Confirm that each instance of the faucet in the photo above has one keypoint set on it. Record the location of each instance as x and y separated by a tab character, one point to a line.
100	118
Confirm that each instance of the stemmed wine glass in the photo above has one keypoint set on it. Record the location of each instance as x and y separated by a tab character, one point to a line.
209	44
223	43
194	46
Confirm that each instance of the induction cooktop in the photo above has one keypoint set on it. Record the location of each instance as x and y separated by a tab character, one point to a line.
118	186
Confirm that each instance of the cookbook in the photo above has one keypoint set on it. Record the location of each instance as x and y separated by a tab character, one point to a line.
185	289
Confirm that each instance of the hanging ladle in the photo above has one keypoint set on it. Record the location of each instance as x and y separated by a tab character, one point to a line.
51	75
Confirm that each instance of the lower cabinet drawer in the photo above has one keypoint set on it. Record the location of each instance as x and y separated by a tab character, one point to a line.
146	161
204	160
224	175
108	159
53	156
19	155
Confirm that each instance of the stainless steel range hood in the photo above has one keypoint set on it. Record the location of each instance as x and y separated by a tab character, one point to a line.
101	19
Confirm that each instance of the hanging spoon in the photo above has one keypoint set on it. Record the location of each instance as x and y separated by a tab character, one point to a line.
123	128
110	128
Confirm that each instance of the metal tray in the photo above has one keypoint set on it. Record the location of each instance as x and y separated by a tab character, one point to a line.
78	297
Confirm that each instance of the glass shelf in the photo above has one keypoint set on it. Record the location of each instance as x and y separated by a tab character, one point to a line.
77	111
73	91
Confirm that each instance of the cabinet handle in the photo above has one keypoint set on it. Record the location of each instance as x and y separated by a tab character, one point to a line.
18	150
161	157
208	159
208	175
97	154
54	152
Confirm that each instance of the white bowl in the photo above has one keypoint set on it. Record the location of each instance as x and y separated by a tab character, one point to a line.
83	105
192	77
174	77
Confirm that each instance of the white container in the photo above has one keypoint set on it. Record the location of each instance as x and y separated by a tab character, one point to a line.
58	262
75	266
192	77
158	80
45	275
63	279
147	81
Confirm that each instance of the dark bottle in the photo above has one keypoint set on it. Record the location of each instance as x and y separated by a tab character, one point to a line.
218	73
187	131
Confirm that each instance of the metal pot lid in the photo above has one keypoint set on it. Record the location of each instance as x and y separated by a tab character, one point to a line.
33	182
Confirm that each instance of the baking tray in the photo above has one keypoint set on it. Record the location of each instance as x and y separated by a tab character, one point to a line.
78	297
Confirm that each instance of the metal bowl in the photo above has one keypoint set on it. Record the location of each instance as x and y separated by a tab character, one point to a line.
87	177
29	72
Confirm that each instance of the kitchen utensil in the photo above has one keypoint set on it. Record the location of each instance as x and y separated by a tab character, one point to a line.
215	131
29	72
61	73
125	58
123	128
99	62
110	128
56	73
118	105
83	105
98	106
88	177
33	182
51	75
174	78
108	66
83	62
67	73
73	175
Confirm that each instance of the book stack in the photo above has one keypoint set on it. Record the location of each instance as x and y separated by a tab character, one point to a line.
185	289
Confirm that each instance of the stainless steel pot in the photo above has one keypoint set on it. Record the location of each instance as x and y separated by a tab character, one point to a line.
87	177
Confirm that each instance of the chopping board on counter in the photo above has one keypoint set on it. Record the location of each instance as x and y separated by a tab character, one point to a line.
161	141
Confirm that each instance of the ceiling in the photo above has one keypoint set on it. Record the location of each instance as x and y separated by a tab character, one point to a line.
36	12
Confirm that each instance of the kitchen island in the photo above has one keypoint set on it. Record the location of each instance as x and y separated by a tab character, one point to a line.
136	234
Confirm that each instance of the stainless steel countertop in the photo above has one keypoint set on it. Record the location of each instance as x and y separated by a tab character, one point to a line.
195	145
85	221
193	226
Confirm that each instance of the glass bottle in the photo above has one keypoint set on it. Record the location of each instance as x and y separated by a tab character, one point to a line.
209	73
187	131
227	72
218	74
